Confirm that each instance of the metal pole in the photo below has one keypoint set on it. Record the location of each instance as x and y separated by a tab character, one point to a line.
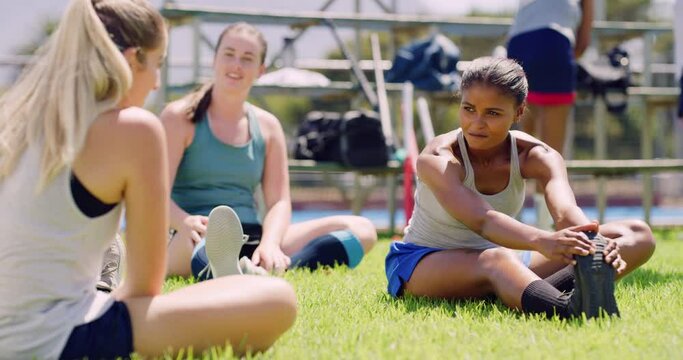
196	49
646	131
600	119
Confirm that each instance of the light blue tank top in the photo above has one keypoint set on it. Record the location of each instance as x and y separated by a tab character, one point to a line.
432	226
213	173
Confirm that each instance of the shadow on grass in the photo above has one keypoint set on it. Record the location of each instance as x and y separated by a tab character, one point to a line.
480	306
642	278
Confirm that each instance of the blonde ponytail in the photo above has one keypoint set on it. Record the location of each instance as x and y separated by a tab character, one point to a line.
79	74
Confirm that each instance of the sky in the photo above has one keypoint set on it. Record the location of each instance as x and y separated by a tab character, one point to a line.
20	21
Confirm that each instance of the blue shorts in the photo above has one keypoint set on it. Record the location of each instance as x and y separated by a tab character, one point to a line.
404	257
108	337
200	261
547	58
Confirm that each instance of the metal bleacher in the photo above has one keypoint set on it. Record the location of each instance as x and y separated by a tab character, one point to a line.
648	96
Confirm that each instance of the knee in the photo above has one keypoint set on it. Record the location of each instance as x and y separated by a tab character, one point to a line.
364	230
280	305
643	236
495	260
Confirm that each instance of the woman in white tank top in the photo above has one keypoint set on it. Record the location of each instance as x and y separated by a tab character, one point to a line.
460	240
75	117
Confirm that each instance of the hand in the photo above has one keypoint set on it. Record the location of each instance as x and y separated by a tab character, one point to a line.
613	257
271	258
564	244
193	228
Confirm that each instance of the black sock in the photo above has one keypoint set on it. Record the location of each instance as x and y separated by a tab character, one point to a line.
325	250
542	298
562	280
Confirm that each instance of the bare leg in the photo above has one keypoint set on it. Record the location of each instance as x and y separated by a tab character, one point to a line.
549	124
300	234
468	273
179	256
635	239
247	312
553	122
529	121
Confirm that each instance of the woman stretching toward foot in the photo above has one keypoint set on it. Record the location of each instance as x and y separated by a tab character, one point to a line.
74	146
221	149
459	241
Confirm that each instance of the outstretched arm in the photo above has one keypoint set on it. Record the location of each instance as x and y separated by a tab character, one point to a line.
179	134
275	184
442	172
546	166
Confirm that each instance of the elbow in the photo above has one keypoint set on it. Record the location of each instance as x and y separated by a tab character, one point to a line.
480	224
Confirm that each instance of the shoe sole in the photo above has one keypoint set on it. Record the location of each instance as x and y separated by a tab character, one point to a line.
595	281
224	240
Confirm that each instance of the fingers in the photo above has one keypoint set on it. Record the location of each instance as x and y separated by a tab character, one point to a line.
576	243
195	237
200	228
618	264
613	257
611	252
256	258
592	226
568	259
621	267
267	263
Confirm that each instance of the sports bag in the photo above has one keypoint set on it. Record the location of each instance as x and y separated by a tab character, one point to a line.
608	77
354	139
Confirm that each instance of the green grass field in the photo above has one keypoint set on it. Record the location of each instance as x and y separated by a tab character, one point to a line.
346	314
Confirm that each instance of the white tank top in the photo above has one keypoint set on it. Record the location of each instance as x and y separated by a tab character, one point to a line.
432	226
50	259
562	16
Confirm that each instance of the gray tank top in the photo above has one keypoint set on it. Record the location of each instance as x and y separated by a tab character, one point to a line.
50	259
432	226
562	16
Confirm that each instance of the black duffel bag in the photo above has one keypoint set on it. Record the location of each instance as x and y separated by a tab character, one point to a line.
353	139
318	137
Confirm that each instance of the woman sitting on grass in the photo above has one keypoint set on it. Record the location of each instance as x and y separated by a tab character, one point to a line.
75	145
459	241
221	149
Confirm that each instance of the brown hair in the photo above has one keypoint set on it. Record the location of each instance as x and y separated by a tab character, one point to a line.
199	100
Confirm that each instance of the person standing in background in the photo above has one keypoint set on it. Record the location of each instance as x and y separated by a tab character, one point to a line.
678	61
546	38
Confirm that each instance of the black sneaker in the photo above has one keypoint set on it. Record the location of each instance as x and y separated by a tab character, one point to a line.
594	281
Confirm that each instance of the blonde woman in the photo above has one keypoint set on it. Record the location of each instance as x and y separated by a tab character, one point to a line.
75	145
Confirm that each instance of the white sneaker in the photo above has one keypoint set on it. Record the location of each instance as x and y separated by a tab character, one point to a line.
110	275
224	240
249	268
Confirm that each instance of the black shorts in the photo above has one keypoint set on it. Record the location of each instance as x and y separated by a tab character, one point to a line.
108	337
